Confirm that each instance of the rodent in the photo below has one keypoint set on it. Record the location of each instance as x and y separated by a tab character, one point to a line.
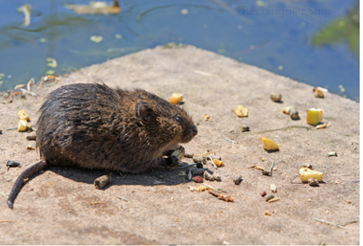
96	127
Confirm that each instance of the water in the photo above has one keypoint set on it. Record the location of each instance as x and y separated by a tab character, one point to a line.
315	42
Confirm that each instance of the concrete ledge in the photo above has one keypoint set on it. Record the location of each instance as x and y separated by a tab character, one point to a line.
61	206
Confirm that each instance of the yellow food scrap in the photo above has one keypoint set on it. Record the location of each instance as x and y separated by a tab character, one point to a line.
318	93
30	147
23	115
22	125
269	145
218	162
307	173
202	188
176	98
286	110
206	117
314	116
19	86
240	111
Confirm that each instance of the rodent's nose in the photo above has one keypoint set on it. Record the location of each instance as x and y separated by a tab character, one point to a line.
194	130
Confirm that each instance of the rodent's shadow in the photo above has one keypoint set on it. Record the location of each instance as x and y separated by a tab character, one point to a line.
148	178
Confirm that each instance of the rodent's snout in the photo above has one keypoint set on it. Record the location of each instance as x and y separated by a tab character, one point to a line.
189	133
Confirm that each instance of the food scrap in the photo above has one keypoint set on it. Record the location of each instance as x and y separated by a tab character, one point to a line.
23	121
28	85
176	98
199	159
29	147
218	163
276	97
294	114
274	200
96	39
23	126
240	111
197	179
206	117
211	177
102	181
314	116
307	173
221	197
259	168
332	153
19	86
269	145
32	137
192	188
49	78
51	62
202	188
318	93
273	188
286	110
26	10
123	199
326	125
23	115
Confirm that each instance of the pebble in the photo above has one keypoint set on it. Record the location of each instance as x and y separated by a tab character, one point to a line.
237	180
276	97
7	178
11	163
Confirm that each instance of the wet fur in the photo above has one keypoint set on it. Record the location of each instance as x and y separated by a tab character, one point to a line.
94	126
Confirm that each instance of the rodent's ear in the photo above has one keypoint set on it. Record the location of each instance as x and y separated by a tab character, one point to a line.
143	111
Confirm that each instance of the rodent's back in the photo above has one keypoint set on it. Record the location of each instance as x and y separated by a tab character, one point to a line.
94	126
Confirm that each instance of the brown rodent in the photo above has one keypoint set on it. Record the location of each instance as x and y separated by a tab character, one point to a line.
96	127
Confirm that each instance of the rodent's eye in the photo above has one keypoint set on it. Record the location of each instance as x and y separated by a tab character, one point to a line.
179	119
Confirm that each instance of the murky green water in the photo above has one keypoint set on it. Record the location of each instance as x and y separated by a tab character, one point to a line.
315	42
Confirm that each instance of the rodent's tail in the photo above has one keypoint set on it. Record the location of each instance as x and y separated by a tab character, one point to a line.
23	178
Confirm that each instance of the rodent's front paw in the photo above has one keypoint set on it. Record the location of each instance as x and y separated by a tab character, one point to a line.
181	149
171	161
175	151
